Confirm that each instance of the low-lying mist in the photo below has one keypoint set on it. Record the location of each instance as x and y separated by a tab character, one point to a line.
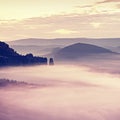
62	92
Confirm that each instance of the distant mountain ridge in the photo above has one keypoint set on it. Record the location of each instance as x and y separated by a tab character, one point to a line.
9	57
42	45
37	50
80	50
67	41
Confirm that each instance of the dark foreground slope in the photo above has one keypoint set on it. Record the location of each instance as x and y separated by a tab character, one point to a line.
9	57
80	50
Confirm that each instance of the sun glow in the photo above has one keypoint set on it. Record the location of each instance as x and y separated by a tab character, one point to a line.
64	31
96	24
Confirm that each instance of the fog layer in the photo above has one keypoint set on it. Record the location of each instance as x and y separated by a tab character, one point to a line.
64	92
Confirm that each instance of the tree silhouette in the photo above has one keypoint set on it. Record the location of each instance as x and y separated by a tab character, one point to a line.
9	57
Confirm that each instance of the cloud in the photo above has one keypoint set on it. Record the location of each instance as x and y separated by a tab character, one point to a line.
84	6
108	1
67	25
64	31
118	6
95	24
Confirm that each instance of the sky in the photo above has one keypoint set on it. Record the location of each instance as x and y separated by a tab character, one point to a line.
59	19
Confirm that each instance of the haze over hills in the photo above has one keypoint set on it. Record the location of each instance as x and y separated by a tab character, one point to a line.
79	50
66	41
37	50
46	46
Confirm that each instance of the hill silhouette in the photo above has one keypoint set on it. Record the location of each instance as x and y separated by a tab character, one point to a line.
39	46
80	50
67	41
10	57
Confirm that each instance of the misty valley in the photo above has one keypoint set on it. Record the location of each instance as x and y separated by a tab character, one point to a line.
56	92
59	59
75	81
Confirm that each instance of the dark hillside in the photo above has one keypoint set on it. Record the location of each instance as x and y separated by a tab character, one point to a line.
9	57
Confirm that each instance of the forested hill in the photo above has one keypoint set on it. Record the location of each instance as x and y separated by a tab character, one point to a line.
10	57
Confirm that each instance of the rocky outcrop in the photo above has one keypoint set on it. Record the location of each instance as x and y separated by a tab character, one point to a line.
51	61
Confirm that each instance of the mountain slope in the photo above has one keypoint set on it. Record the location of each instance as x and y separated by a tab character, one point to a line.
9	57
6	51
80	50
24	45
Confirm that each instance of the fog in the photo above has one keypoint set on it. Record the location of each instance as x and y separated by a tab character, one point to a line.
62	92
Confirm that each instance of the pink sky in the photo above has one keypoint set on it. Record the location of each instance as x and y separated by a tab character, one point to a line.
54	19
